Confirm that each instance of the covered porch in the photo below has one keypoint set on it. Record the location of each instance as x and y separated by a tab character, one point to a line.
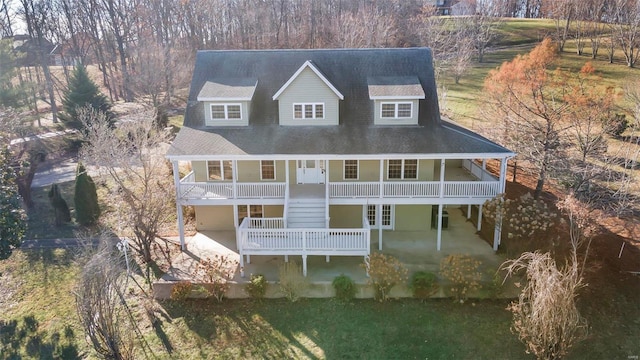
417	250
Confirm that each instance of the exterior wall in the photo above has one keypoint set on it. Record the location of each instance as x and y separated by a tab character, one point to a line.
244	110
214	218
273	211
378	120
308	88
412	217
345	216
369	170
199	170
221	217
425	170
250	171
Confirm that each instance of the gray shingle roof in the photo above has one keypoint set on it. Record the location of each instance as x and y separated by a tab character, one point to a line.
220	89
400	86
348	70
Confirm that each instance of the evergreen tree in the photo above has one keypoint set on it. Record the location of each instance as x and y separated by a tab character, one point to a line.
13	220
82	92
11	94
86	198
60	207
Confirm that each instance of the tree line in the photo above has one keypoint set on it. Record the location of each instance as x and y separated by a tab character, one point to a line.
145	48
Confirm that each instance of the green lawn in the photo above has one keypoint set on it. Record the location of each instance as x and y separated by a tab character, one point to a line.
37	313
39	321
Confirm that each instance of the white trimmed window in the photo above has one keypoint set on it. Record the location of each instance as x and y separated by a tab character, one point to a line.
226	112
387	215
250	211
396	110
308	111
351	169
218	170
402	169
267	169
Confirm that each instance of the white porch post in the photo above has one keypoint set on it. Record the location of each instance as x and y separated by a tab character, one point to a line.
176	179
484	164
380	194
236	225
234	165
286	170
503	174
468	211
304	253
497	232
379	207
379	223
327	189
439	232
479	217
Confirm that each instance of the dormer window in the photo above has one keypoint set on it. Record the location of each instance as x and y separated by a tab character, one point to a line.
308	98
395	99
308	111
396	110
226	112
227	101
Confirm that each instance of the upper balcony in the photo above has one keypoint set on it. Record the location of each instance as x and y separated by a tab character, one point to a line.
468	184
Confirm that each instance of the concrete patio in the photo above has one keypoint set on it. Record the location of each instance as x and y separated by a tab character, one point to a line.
417	250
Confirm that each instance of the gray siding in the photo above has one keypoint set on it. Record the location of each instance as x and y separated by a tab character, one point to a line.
244	109
413	120
308	88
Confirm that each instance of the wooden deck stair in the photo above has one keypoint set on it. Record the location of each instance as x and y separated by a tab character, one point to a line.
306	213
307	207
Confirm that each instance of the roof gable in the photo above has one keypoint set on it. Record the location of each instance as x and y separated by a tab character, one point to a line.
308	64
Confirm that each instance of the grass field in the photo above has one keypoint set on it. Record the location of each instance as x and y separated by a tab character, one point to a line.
38	320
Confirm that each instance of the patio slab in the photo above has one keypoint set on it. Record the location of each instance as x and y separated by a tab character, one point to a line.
416	250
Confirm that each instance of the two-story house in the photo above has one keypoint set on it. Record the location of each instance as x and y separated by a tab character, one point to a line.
316	152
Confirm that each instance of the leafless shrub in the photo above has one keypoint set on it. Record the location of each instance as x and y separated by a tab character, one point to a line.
217	272
101	306
292	281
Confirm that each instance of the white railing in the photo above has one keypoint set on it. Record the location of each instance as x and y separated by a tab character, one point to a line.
478	171
190	189
411	189
273	238
417	189
260	190
480	189
354	189
265	223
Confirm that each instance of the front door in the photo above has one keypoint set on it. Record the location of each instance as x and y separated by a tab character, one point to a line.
310	172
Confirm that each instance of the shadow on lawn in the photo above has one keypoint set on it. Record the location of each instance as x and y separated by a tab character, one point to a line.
236	322
15	335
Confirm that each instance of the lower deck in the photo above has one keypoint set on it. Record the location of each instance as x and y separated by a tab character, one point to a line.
416	249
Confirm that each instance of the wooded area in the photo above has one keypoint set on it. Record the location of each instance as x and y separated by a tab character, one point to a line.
145	49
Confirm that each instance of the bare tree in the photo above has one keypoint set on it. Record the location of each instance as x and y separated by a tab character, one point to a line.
133	158
101	305
482	27
595	26
36	16
562	13
626	15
